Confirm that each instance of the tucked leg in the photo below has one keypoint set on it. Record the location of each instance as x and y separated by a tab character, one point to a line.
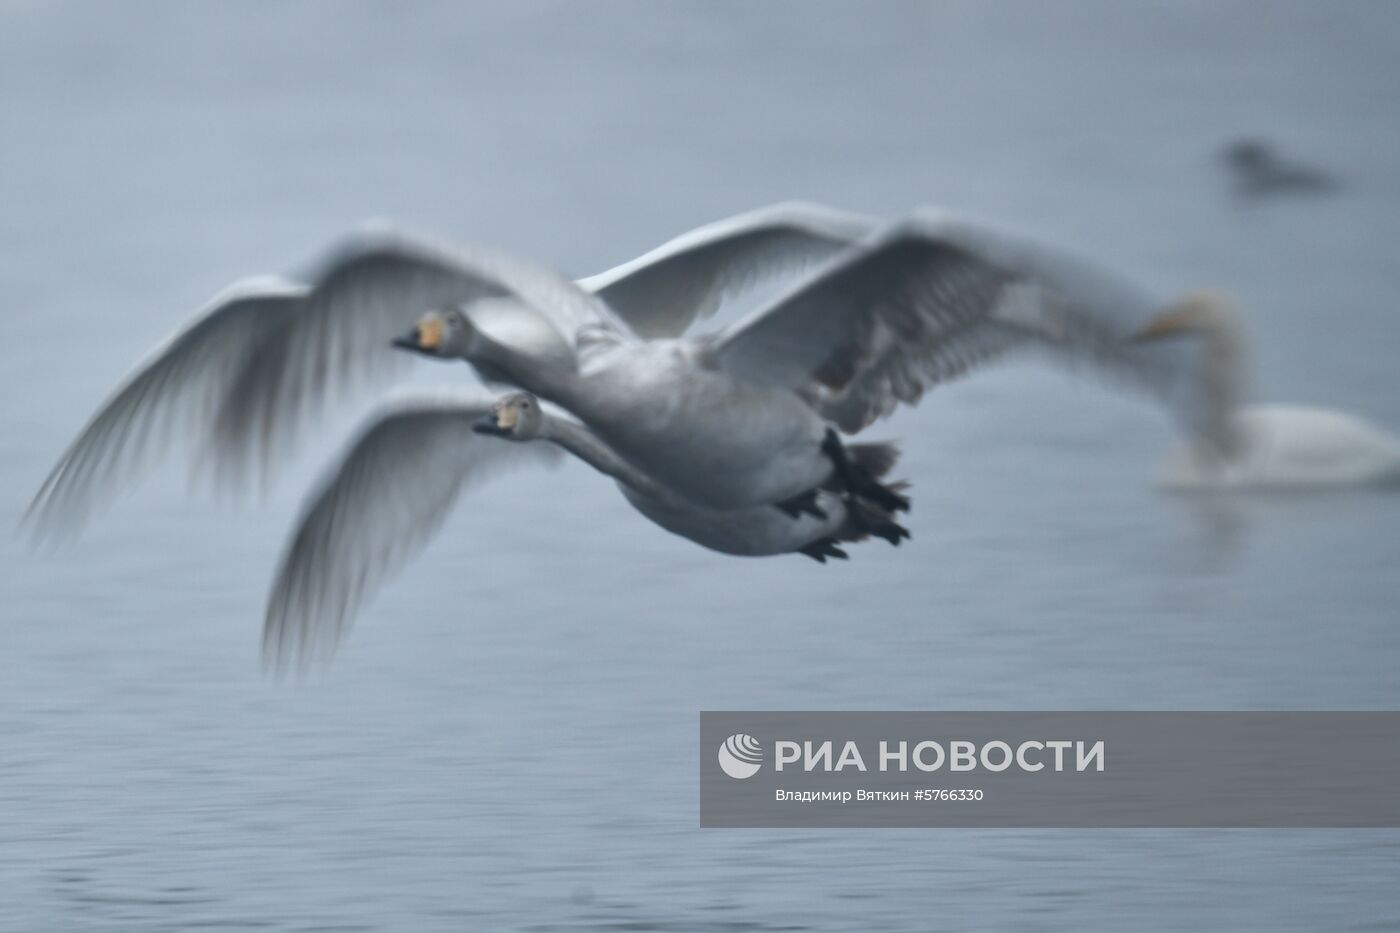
820	550
876	522
857	480
803	504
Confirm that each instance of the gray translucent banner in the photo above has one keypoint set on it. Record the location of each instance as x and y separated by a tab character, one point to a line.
1050	769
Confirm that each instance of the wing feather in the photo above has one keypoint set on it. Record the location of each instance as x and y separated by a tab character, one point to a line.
925	301
379	506
664	291
170	395
371	289
243	376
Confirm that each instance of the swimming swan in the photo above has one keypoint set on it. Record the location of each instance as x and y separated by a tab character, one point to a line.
1258	446
402	475
239	379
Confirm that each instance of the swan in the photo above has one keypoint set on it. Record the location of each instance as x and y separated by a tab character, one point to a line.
745	416
749	415
914	304
1257	446
242	378
401	476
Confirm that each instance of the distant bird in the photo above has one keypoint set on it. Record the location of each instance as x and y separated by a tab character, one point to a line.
1257	446
401	477
1259	171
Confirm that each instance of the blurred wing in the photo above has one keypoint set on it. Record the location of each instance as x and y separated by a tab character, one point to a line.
371	290
389	494
924	302
665	291
173	394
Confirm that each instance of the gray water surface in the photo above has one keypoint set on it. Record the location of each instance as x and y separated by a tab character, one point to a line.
507	741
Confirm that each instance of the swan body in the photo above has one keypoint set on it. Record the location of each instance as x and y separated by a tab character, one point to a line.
402	475
1290	447
757	531
663	408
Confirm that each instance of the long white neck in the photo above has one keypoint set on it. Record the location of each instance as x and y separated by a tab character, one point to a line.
555	376
1218	376
584	444
1222	384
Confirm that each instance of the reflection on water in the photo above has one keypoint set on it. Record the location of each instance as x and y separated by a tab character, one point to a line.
507	741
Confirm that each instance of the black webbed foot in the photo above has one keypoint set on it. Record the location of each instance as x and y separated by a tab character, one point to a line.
821	549
858	481
806	504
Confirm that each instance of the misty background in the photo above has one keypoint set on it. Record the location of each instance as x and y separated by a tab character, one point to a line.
508	740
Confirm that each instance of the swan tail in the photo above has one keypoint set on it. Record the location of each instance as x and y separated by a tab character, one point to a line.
875	459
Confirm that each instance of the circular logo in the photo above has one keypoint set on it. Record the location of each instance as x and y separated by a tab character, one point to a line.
740	756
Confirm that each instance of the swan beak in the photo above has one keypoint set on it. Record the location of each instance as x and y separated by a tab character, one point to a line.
487	424
426	338
409	341
1165	326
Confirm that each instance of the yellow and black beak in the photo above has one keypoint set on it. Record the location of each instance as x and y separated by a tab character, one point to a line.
487	424
426	338
1160	328
500	422
409	341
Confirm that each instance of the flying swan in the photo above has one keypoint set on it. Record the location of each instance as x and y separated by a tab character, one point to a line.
242	379
745	416
401	476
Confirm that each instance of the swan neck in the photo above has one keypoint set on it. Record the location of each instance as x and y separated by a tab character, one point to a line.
1222	385
584	444
556	380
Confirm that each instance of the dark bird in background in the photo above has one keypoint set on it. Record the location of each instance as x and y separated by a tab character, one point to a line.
1259	171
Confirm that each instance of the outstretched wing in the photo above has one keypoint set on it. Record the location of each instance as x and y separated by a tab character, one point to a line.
385	499
247	371
371	289
923	302
172	394
663	292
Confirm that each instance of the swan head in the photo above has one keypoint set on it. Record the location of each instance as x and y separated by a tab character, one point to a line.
516	417
1214	392
444	334
1206	314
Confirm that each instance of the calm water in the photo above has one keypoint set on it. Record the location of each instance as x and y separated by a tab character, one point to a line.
508	739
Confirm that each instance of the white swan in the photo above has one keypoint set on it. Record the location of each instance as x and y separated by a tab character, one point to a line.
744	417
238	380
729	420
401	476
1257	446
